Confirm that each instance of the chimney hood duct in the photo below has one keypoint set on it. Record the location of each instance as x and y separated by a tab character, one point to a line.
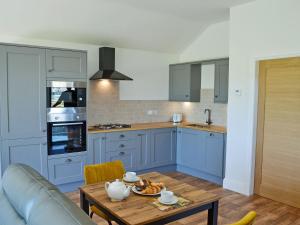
107	66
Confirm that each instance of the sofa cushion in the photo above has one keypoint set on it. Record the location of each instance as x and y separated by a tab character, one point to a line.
7	213
37	201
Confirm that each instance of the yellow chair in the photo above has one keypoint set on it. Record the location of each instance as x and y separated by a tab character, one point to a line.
247	220
103	172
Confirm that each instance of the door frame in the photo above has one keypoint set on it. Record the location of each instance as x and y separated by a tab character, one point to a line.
261	66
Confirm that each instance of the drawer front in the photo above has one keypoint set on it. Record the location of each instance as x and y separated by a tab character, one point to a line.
66	169
120	145
129	158
121	136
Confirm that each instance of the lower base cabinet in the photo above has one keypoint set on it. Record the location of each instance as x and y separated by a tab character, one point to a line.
163	147
32	152
201	154
66	169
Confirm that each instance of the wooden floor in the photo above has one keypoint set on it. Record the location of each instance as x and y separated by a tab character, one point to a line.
232	206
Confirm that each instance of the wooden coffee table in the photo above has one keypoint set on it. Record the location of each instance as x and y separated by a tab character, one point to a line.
139	210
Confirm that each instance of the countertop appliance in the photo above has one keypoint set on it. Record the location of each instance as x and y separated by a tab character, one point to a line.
107	66
111	126
177	118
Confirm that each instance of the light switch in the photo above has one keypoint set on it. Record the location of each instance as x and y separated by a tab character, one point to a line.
238	92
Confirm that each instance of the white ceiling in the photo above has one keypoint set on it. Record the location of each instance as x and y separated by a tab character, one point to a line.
158	25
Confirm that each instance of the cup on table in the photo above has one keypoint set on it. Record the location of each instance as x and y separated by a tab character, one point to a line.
130	175
166	196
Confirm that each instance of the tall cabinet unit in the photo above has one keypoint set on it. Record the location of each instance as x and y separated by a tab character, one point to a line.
24	72
23	107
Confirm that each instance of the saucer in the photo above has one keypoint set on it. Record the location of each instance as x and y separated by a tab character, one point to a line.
174	201
131	180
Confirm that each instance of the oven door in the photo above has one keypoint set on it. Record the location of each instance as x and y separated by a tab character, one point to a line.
62	94
66	137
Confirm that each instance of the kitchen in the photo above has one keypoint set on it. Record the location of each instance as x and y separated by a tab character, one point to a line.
191	108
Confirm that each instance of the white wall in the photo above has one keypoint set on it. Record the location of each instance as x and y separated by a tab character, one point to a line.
148	69
208	76
210	44
150	72
259	30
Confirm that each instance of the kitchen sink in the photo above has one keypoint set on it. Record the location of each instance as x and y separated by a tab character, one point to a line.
198	125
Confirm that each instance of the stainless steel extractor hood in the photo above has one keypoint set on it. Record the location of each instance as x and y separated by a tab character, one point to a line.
107	66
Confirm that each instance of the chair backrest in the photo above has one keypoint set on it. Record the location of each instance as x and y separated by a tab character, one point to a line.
247	220
103	172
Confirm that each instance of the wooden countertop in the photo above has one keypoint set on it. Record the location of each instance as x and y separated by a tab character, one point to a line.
146	126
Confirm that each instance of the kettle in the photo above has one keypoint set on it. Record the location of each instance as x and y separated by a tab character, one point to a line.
117	190
177	117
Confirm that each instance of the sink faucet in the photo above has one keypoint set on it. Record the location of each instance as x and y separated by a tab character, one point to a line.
208	119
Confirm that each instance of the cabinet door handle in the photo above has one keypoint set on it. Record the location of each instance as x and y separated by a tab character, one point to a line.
45	143
122	153
122	146
216	96
211	134
50	70
140	135
122	136
187	96
44	131
103	138
68	160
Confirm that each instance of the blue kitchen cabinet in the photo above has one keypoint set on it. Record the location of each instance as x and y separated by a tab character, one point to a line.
96	148
201	154
67	168
214	154
163	147
30	151
22	92
131	147
66	64
190	148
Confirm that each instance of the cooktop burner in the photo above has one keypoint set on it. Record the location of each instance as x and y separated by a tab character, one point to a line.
111	126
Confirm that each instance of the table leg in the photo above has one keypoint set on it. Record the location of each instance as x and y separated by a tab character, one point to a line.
213	214
84	203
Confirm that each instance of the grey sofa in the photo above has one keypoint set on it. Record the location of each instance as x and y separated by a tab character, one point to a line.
28	198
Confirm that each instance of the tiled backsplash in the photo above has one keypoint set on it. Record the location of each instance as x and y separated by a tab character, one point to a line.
104	106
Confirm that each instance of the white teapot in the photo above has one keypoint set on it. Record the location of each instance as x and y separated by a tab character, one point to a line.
117	190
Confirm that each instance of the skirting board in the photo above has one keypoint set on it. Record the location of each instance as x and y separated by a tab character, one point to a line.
237	186
199	174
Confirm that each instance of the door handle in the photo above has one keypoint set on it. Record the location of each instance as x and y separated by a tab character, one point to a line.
122	136
122	153
122	146
211	134
51	70
68	160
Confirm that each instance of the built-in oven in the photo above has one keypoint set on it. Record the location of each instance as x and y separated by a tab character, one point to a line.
66	117
66	137
66	94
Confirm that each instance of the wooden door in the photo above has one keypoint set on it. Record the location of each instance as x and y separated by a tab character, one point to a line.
278	134
23	92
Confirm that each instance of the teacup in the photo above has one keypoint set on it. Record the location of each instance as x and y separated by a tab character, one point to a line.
130	175
166	196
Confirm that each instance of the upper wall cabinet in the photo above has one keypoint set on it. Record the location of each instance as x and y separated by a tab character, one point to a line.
221	81
22	92
66	64
185	82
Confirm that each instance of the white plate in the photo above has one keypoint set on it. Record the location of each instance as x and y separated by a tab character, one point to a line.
140	193
174	201
136	179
